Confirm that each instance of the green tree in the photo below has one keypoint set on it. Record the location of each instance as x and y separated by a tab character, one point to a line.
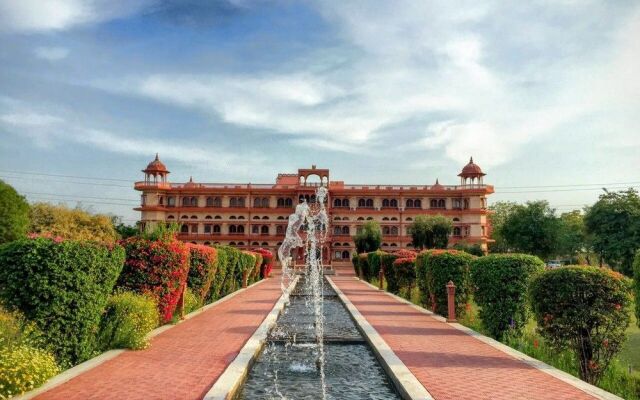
531	228
636	285
369	238
497	215
72	224
14	214
430	231
572	234
614	224
124	231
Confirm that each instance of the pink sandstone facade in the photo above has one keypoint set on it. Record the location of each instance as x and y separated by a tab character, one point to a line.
255	215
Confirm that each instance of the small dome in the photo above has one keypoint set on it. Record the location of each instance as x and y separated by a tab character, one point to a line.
156	166
437	185
191	183
471	169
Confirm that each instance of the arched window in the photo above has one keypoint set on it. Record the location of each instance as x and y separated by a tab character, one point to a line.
255	229
386	203
393	203
171	201
161	200
409	219
456	219
288	202
393	245
394	219
171	217
280	217
385	244
184	228
240	201
338	255
257	202
264	244
345	218
194	228
345	230
194	202
207	217
240	217
345	202
232	217
184	217
209	201
433	203
265	217
240	228
369	203
280	202
255	244
233	202
256	217
279	230
466	204
216	229
385	218
369	218
337	203
394	230
409	203
417	203
345	254
360	218
337	218
362	203
217	202
207	243
265	202
457	231
194	217
385	230
441	203
264	230
233	229
217	217
232	243
336	230
185	202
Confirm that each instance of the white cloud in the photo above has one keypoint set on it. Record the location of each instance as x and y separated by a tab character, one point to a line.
51	53
51	15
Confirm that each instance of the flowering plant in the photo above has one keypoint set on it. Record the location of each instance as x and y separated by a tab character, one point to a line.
267	262
203	261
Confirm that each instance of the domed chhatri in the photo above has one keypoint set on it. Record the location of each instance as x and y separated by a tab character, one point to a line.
156	172
471	174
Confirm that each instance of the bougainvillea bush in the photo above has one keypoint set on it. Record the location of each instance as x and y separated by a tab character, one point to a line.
436	269
127	320
246	264
203	262
62	286
158	268
221	274
387	260
254	273
405	271
267	262
585	310
500	283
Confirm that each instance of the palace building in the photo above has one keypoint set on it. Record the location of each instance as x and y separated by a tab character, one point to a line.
256	215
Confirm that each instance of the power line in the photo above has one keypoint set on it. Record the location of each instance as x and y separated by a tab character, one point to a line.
73	196
67	176
84	202
68	182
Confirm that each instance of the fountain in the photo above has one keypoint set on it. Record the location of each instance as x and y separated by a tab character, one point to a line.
315	351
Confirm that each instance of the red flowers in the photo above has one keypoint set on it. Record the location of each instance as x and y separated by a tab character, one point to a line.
267	262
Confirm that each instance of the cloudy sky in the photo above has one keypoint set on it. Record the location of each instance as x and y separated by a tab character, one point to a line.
540	93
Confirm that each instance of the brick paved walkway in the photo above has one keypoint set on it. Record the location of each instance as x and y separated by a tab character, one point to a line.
450	363
183	362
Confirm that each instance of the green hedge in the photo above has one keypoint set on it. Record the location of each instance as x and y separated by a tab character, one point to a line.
203	263
363	265
66	291
437	268
246	263
500	283
354	261
127	320
586	310
374	260
636	279
405	273
386	261
220	277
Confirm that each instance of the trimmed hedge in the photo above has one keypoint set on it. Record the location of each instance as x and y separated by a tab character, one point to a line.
66	291
386	261
127	320
500	284
254	275
267	262
405	272
636	279
217	287
437	268
363	266
156	267
374	260
246	264
586	310
354	261
203	263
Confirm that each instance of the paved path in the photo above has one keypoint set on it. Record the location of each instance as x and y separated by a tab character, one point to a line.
184	361
448	362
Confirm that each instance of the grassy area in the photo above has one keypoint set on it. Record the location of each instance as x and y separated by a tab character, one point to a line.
622	377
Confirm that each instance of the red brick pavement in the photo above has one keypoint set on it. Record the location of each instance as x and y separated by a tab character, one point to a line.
183	362
448	362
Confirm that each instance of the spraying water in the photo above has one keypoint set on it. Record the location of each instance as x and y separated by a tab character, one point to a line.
313	220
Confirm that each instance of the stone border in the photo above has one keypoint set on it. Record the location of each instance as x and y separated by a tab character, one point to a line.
229	382
83	367
405	382
592	390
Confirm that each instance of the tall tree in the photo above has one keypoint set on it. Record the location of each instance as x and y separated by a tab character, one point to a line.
572	235
430	231
124	231
498	214
369	238
68	223
14	214
614	224
531	228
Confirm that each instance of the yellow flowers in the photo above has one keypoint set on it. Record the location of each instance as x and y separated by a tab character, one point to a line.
23	368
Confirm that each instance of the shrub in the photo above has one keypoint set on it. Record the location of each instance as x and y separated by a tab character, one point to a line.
71	223
246	264
254	275
354	261
636	279
473	249
191	301
374	260
203	263
14	214
386	260
127	320
66	291
440	267
405	272
24	368
217	288
501	282
267	262
584	309
363	266
16	329
158	268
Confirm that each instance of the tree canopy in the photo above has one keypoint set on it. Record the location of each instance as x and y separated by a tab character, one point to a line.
14	214
497	216
531	228
614	225
369	238
74	224
430	231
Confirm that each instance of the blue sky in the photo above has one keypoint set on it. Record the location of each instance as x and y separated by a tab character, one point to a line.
539	93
